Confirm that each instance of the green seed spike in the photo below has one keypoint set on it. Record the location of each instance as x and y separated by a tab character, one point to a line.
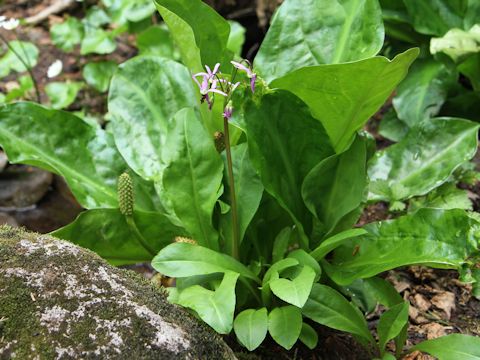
126	197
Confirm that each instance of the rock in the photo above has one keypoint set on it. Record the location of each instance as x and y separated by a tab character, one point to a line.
60	301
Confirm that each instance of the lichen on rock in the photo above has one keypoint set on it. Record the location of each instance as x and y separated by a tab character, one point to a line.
59	301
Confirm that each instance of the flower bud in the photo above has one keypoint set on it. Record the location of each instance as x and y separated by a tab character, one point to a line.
126	198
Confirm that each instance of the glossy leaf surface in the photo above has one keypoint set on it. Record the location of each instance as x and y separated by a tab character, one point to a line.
328	88
285	325
452	347
439	238
106	232
193	176
423	160
285	143
145	94
296	290
214	307
183	260
328	307
306	32
391	323
309	336
251	327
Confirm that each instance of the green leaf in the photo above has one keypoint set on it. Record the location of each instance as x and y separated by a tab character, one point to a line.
31	134
309	336
306	259
25	84
452	347
193	176
328	307
236	38
285	325
280	245
335	241
439	238
300	29
183	260
10	61
423	160
391	323
214	307
382	291
296	290
328	88
423	92
96	17
197	27
436	17
457	44
97	41
447	196
99	74
63	94
251	327
106	232
285	143
67	34
471	69
391	127
145	94
336	186
155	41
248	191
123	11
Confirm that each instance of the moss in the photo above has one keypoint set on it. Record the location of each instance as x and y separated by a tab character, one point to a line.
57	299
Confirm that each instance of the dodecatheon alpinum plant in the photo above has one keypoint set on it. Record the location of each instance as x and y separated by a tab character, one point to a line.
267	178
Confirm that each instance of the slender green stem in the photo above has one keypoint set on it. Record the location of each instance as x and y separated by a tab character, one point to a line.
141	240
233	197
26	64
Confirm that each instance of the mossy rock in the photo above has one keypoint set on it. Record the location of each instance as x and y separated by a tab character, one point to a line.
60	301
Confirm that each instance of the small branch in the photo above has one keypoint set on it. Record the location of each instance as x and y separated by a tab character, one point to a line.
57	7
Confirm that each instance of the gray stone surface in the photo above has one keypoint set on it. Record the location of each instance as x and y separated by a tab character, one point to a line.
59	301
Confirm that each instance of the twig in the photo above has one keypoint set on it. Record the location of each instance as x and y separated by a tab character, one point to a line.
57	7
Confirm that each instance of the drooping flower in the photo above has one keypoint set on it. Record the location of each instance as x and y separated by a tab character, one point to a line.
250	74
55	69
228	111
9	24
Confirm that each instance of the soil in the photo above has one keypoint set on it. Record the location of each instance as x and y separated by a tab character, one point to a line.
441	304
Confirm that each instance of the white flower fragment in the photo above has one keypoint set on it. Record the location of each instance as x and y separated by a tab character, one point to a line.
9	24
55	69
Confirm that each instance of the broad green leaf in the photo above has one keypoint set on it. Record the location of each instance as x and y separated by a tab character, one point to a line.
447	196
328	307
285	143
216	308
97	41
202	27
145	94
10	60
436	17
280	245
184	259
62	143
25	85
277	268
471	69
306	259
328	88
391	323
457	43
439	238
335	241
156	41
123	11
96	17
67	34
99	74
193	176
309	336
391	127
236	38
382	291
301	30
423	160
285	325
248	190
106	232
251	327
296	290
452	347
63	94
423	92
336	186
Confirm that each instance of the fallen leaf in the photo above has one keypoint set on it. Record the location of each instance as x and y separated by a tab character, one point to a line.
445	301
434	330
421	303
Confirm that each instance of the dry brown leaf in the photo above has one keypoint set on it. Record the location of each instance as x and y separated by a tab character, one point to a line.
421	303
433	330
417	355
445	301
